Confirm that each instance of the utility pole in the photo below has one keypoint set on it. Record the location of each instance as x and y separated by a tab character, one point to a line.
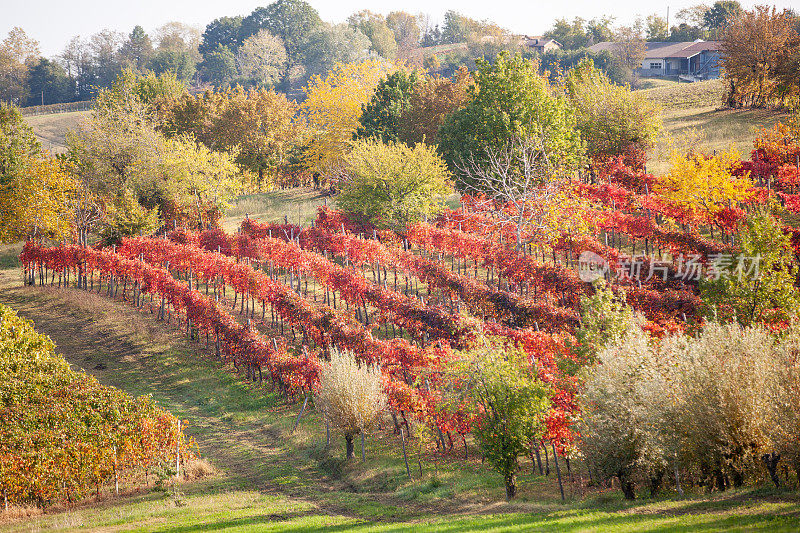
667	22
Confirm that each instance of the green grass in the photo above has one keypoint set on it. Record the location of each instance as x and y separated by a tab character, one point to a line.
298	205
51	130
693	117
269	477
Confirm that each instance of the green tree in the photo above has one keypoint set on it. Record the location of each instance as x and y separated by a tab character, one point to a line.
49	84
604	316
137	50
611	119
17	141
219	65
510	99
373	25
331	44
381	116
656	28
759	285
392	185
224	31
179	63
571	35
720	13
510	403
262	58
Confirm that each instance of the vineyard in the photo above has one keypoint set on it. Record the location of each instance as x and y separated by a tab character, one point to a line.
273	299
64	435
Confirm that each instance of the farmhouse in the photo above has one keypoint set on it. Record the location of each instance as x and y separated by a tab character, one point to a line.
539	43
688	60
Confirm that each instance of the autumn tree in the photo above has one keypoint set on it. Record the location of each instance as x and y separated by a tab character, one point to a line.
392	185
137	174
705	184
406	28
611	119
350	395
35	201
431	101
18	53
760	54
510	99
333	106
629	49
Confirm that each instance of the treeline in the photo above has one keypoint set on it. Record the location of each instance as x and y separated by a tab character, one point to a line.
63	434
284	44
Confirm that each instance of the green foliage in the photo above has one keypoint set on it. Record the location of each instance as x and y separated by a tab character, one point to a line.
373	25
331	44
510	403
759	286
17	141
381	117
580	33
511	100
393	185
180	63
49	83
222	32
611	119
219	65
559	60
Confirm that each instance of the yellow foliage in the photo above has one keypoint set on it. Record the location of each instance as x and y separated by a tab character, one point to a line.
36	201
703	183
333	107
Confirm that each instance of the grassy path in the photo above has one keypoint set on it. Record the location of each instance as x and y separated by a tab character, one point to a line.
271	479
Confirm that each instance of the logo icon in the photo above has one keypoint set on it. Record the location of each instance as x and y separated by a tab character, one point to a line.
591	266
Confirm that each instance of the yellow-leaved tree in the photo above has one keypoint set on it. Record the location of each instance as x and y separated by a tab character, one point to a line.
705	184
36	201
333	106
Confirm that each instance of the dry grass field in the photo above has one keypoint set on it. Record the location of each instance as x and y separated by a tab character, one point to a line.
51	130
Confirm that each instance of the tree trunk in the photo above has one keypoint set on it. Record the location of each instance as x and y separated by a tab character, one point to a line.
511	485
349	446
771	462
627	486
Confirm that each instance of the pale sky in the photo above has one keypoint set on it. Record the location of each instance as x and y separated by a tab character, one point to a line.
54	22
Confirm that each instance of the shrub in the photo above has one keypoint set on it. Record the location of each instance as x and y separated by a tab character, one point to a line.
392	185
759	286
714	406
350	395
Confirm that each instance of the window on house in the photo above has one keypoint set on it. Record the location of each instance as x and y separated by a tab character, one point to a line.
655	65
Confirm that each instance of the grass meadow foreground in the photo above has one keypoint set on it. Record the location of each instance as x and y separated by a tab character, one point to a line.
269	477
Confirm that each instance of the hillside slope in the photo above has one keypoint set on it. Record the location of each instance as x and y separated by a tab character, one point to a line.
693	117
51	130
